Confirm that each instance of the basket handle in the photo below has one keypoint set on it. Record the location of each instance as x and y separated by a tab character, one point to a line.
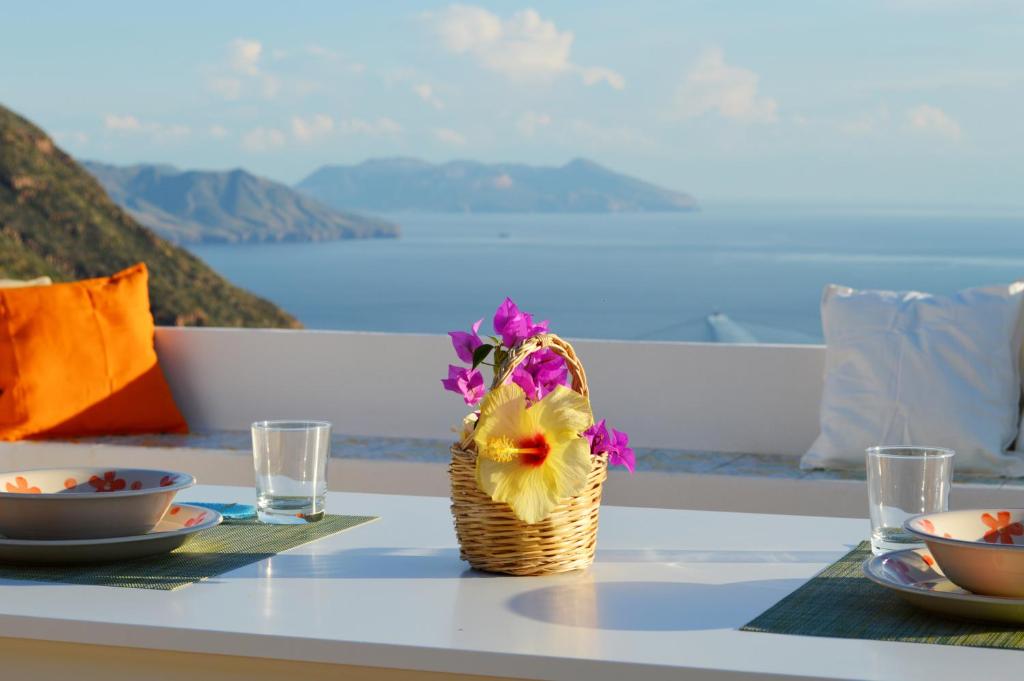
518	354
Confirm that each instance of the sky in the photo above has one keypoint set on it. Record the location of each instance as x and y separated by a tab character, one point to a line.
899	102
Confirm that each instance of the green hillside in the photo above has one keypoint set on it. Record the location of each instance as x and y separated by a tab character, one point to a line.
56	219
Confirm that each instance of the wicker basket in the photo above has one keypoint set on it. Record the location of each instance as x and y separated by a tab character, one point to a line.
490	536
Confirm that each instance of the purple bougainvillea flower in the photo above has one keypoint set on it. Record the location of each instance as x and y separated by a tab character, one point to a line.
466	343
513	325
621	454
614	443
469	383
597	436
540	373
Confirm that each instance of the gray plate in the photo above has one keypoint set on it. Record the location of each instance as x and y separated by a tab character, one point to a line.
913	575
170	533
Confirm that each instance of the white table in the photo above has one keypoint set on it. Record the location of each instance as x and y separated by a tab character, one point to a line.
663	601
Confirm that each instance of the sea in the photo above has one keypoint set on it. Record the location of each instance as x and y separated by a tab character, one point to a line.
734	272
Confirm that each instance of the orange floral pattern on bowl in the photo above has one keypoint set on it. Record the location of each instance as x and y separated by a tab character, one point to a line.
21	486
984	526
1000	528
89	480
108	483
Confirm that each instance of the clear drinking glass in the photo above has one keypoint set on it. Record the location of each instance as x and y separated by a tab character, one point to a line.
905	481
290	458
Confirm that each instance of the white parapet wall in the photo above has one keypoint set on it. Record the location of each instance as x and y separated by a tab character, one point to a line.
683	396
694	396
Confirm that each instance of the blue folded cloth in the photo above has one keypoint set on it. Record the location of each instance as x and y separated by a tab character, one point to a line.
229	511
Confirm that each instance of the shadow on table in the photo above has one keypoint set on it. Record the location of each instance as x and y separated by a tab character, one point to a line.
650	606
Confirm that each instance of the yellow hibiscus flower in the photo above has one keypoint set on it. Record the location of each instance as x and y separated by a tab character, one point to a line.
532	457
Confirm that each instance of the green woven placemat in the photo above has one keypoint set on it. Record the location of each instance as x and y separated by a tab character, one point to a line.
207	554
842	603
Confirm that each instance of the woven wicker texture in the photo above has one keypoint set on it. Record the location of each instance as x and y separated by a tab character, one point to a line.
842	603
207	554
490	536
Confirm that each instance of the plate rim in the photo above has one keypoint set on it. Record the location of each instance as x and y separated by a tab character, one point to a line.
213	521
869	566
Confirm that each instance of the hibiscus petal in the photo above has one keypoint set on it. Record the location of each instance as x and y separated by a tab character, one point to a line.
524	488
503	414
564	413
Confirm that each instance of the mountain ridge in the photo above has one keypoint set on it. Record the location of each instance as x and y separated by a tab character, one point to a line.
229	206
400	184
56	220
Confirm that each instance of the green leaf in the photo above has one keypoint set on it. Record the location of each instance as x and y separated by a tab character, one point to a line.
480	354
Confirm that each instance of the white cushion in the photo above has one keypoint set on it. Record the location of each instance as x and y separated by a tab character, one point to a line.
911	368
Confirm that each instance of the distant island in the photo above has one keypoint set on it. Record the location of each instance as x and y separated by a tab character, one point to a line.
234	206
56	220
403	184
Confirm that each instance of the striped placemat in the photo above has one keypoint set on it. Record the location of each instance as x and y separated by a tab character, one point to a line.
842	603
206	554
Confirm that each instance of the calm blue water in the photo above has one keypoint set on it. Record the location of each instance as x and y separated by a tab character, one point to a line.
638	276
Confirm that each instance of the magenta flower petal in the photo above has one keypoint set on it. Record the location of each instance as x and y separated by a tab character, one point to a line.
469	383
540	373
514	325
612	442
621	454
597	436
523	378
508	322
466	343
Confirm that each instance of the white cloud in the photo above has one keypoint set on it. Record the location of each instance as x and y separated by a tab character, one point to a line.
314	127
531	121
172	131
218	132
868	123
521	46
322	52
126	123
597	74
244	56
933	120
334	57
242	72
425	91
712	86
380	127
76	137
263	139
449	136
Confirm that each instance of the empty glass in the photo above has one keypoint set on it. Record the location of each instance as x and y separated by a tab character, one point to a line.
905	481
290	458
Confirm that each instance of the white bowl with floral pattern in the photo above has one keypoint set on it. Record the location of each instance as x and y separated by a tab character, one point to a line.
981	550
86	502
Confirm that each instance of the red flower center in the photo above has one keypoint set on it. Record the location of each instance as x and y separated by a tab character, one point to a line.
533	451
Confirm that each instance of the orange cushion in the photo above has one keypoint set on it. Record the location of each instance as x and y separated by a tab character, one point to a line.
77	359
